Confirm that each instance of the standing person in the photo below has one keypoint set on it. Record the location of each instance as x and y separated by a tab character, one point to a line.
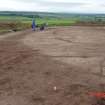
33	25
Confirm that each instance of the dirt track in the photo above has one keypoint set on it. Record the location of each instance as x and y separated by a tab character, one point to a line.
58	66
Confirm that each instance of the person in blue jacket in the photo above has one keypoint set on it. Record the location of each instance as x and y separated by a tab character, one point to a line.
33	25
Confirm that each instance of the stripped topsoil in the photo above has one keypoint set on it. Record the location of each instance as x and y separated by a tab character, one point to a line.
58	66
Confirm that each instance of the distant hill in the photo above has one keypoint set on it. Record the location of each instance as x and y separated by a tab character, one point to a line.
77	16
48	14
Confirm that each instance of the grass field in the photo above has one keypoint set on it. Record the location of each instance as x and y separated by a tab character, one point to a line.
50	21
20	22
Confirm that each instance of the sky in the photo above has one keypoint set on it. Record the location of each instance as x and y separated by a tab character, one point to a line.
68	6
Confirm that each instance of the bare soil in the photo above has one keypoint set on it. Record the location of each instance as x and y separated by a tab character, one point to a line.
58	66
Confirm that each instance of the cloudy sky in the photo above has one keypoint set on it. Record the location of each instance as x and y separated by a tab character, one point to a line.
71	6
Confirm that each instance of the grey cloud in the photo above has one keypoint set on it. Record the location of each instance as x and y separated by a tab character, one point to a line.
51	3
61	4
102	5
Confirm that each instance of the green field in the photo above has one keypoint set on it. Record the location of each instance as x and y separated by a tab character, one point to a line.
39	21
8	23
22	20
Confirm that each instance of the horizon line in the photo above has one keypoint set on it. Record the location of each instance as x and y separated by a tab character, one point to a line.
51	12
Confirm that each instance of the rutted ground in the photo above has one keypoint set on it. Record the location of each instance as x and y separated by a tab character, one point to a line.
32	64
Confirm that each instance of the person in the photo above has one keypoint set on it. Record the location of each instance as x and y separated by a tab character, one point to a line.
42	27
33	25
